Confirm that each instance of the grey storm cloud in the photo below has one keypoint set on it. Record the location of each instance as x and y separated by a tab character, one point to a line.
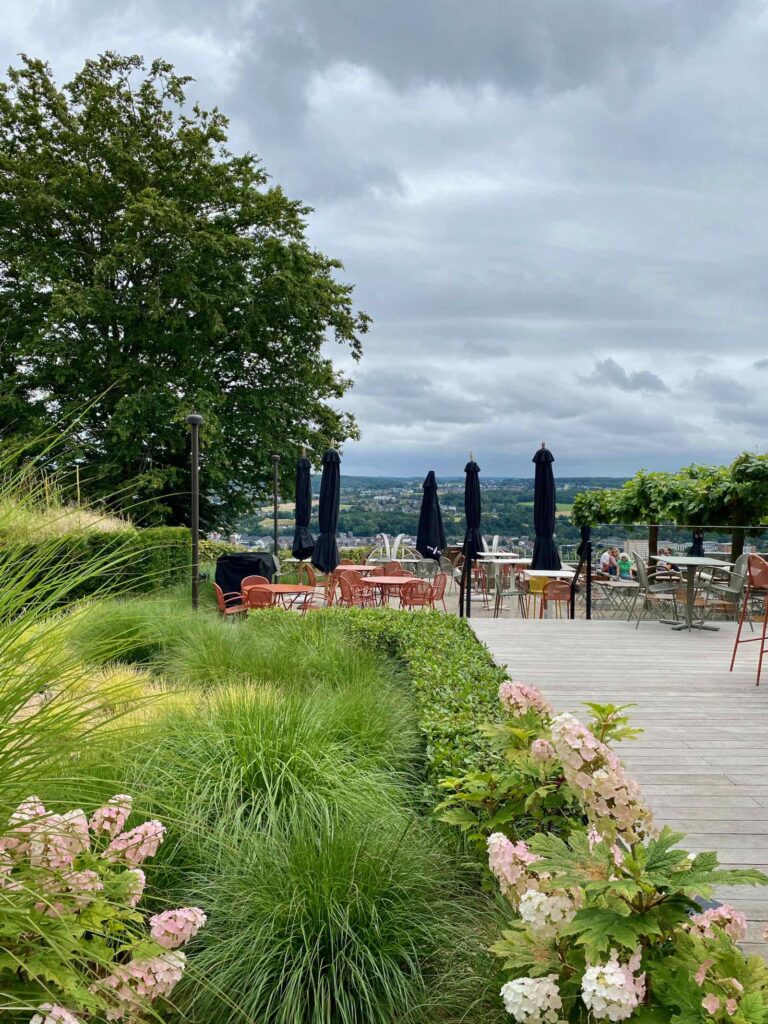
553	211
609	373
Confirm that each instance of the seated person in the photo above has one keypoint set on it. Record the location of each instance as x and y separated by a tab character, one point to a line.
625	566
665	566
609	563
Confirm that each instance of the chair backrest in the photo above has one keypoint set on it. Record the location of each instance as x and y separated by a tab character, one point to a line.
345	589
557	590
253	581
416	592
305	569
400	572
438	586
259	597
447	567
346	561
390	568
220	597
757	570
642	572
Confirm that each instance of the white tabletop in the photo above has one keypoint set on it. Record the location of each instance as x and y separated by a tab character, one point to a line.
712	563
498	554
386	561
550	573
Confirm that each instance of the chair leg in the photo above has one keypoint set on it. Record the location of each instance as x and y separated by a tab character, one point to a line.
762	644
741	623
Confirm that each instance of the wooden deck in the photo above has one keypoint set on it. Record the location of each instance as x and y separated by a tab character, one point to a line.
703	758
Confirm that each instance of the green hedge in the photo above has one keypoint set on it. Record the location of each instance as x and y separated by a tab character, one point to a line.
455	680
120	561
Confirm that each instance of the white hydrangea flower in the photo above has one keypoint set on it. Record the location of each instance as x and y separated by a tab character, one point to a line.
533	1000
544	913
612	991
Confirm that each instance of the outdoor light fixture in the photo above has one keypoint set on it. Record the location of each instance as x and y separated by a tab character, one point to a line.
195	421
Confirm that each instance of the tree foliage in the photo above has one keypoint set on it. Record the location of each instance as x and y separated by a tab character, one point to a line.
145	271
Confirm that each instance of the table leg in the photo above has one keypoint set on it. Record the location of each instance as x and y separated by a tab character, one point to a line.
690	598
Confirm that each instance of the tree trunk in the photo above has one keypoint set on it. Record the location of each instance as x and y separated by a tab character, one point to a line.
737	543
653	540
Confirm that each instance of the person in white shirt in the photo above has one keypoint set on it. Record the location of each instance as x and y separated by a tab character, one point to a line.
608	562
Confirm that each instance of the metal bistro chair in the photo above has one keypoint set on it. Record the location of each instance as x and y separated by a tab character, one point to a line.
438	589
260	597
252	581
652	595
725	595
505	584
558	593
417	594
449	569
757	580
229	604
354	593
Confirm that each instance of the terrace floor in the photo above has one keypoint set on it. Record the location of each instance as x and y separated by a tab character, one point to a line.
702	761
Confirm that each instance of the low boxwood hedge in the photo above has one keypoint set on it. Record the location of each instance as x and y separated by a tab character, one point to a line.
455	680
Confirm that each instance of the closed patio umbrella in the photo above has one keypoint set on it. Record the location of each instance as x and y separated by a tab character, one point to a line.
545	553
325	554
430	535
473	541
303	541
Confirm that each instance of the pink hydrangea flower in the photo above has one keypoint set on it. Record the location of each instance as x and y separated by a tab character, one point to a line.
135	886
542	750
23	821
111	818
731	1006
517	699
732	921
613	802
141	981
701	973
51	1014
58	839
711	1003
509	862
135	846
174	928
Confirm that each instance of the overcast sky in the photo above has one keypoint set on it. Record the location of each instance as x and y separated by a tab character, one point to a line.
556	211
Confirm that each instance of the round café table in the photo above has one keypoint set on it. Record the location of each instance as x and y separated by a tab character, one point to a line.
389	584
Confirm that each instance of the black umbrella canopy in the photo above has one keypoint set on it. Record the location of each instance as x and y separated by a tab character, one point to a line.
473	541
545	553
430	535
303	542
325	555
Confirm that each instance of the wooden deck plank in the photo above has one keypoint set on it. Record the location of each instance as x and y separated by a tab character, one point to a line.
703	758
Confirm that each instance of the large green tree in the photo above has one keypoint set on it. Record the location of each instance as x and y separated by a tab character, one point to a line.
146	271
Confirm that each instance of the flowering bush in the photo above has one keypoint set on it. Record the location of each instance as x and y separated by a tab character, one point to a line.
69	923
553	774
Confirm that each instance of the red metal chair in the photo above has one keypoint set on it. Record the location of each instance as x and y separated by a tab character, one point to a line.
354	593
229	604
417	594
439	584
260	597
757	582
558	593
391	568
252	581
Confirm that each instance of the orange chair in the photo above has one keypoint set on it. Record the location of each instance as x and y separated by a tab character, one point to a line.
417	594
252	581
347	561
354	593
260	597
757	584
229	604
439	584
390	568
305	569
558	593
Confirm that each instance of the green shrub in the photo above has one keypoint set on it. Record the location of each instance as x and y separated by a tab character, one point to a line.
211	549
452	675
119	561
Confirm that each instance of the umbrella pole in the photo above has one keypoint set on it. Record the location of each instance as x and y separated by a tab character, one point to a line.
469	589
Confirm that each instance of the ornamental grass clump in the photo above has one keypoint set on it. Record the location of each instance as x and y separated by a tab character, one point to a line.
75	946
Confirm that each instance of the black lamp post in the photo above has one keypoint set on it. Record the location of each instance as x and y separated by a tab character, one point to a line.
195	420
275	465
